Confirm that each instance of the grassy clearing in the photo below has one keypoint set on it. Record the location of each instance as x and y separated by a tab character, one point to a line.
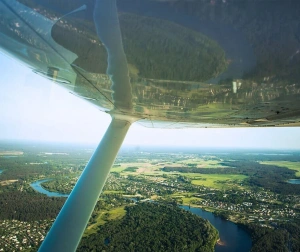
185	197
291	165
112	192
219	181
187	200
11	153
201	163
118	168
116	213
103	217
144	168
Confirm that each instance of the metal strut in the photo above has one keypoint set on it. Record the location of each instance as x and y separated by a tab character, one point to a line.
68	228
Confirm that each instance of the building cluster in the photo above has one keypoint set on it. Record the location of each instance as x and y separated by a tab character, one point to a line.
263	209
20	235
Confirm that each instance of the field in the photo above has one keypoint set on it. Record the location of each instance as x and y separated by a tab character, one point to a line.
218	181
103	217
151	168
11	153
291	165
200	163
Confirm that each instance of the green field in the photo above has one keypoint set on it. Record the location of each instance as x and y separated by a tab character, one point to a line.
185	197
291	165
118	168
103	217
218	181
112	192
201	163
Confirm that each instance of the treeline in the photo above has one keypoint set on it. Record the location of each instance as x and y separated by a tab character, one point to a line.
153	227
131	169
29	206
284	237
19	170
236	167
291	156
270	177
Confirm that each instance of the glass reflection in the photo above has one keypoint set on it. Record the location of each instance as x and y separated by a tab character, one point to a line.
211	62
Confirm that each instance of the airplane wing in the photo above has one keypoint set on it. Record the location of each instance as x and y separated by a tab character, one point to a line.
168	64
186	69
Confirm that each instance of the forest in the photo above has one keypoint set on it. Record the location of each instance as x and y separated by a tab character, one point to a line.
270	177
153	227
23	206
283	237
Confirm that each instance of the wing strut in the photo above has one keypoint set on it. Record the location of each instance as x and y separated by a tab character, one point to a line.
66	232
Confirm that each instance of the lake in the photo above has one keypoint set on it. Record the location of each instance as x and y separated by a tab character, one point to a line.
233	237
294	181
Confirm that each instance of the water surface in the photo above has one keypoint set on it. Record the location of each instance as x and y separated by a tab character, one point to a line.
294	181
39	188
233	237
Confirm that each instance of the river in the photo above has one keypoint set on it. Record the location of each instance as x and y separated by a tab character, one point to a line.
38	187
232	237
294	181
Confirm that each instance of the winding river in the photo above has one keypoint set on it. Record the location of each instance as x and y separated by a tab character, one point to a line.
39	188
232	237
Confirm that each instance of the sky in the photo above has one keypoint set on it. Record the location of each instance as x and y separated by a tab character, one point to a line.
32	108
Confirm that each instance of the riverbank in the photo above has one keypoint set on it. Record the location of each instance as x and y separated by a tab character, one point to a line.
231	237
37	186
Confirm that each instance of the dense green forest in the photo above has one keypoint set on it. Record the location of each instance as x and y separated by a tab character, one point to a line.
283	237
18	200
270	177
153	227
29	206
